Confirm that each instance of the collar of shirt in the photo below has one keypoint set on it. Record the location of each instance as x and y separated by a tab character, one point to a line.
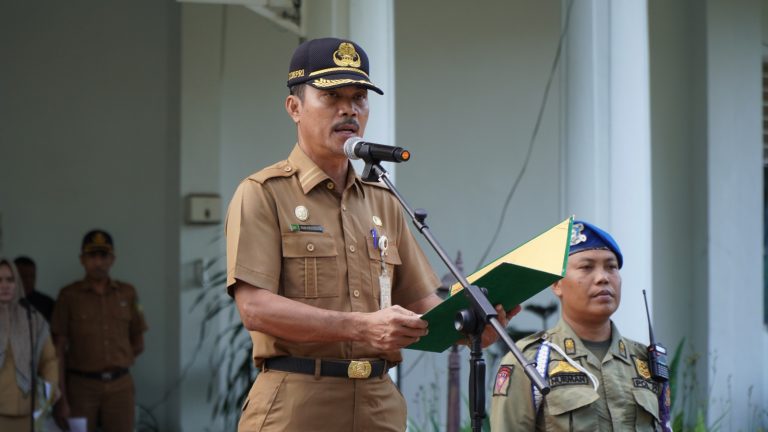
310	175
563	331
86	285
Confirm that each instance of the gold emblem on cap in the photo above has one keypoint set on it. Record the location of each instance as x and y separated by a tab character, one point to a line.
346	55
642	368
99	238
376	221
301	212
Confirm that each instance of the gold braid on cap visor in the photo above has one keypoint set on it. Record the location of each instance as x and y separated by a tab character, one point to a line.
339	69
324	83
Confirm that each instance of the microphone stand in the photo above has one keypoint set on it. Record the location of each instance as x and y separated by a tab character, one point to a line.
470	321
33	372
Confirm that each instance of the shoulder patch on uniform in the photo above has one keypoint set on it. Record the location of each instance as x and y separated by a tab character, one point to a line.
280	169
503	378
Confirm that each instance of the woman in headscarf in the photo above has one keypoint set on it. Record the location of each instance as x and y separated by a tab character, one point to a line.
17	349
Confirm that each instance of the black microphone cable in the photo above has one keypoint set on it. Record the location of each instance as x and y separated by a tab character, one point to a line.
535	133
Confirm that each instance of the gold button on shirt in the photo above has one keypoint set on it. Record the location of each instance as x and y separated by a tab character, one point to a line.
98	327
335	266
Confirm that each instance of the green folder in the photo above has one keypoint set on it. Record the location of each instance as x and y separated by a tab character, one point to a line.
510	280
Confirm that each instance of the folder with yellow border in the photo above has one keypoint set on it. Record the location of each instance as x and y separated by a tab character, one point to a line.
510	280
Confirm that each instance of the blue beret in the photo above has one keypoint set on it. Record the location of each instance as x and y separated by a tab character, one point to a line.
586	236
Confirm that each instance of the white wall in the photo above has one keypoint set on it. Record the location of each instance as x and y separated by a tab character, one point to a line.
233	123
707	156
88	139
469	83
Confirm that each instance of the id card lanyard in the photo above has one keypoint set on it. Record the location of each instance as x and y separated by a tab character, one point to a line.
385	282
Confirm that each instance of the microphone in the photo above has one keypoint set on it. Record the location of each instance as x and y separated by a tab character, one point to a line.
356	148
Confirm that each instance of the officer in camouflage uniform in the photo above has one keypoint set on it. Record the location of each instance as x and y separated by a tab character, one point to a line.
600	381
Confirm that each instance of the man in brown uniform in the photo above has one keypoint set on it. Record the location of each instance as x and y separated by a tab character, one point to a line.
99	330
305	270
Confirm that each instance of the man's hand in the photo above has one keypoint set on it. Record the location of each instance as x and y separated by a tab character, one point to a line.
393	328
489	334
61	414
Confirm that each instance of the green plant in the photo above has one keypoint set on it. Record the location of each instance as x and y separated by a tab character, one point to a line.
230	362
691	409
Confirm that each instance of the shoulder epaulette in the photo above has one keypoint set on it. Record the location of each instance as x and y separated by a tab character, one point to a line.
124	285
280	169
376	183
530	340
70	287
636	347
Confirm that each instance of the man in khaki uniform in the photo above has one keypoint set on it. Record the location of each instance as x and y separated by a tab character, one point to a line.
600	381
305	262
98	327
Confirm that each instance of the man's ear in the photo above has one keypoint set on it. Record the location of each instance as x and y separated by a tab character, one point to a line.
293	107
557	289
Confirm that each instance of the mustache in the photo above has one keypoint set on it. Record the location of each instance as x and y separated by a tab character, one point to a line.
350	121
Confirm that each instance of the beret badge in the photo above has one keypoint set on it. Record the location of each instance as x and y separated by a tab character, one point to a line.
577	235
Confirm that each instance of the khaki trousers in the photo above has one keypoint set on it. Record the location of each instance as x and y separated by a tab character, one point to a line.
109	404
287	402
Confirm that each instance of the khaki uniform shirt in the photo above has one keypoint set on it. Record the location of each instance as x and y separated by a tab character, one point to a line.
99	328
12	402
626	399
291	231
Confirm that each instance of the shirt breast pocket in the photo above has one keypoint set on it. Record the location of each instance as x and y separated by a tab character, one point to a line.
391	259
84	323
120	314
309	269
569	408
647	415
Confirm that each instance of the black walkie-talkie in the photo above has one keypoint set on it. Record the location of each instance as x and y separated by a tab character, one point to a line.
657	354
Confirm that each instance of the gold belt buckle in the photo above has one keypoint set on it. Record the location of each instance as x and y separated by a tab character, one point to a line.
359	369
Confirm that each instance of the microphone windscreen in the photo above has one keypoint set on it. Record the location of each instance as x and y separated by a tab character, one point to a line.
349	147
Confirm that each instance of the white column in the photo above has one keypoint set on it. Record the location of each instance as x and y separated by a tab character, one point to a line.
372	25
734	215
607	139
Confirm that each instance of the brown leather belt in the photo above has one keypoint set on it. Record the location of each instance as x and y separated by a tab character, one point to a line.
105	376
356	369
